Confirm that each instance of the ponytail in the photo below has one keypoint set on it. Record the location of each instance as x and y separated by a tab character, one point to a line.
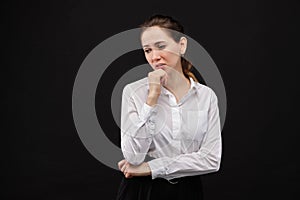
186	68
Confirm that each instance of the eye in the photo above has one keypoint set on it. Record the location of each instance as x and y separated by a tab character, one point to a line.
161	46
147	50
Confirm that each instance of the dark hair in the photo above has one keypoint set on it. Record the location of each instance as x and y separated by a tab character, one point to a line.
168	22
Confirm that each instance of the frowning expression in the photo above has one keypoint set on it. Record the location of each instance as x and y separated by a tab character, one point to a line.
160	49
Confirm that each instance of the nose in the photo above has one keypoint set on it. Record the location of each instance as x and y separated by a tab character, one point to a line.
155	56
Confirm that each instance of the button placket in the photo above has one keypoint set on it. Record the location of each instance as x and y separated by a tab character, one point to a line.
176	122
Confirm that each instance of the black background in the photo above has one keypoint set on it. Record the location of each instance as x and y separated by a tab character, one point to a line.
253	43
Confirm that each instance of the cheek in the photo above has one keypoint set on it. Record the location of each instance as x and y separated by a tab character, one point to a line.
171	53
173	50
170	56
147	56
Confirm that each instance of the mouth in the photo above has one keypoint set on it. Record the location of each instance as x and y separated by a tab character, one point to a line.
159	66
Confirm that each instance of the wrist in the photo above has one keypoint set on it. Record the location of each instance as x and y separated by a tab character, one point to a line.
152	99
148	169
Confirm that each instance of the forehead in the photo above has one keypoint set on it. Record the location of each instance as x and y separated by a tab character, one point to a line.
154	34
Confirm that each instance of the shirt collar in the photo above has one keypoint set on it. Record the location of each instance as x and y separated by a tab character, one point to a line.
166	92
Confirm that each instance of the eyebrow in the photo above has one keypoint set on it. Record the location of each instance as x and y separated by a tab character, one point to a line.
156	43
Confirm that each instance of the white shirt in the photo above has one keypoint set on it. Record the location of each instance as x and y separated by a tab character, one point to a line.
184	138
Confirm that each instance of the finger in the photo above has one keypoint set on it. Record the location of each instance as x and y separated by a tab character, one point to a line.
162	73
128	175
124	167
121	163
125	164
164	80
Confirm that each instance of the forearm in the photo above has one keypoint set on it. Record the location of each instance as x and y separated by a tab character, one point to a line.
137	130
196	163
135	149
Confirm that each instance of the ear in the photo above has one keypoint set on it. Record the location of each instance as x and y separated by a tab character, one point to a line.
183	45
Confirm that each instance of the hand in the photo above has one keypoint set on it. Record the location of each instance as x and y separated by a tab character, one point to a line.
131	170
156	79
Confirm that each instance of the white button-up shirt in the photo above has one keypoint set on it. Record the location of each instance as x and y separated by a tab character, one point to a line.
184	138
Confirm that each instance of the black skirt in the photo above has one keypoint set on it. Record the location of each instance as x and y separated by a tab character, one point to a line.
144	188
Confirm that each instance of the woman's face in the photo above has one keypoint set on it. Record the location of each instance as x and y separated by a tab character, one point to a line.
161	51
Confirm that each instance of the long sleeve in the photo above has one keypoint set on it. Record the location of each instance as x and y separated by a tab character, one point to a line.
137	125
207	159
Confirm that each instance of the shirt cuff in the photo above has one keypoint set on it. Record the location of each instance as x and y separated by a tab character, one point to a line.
158	167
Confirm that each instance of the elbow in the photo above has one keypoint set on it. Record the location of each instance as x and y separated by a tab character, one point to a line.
213	168
134	152
214	160
217	167
214	163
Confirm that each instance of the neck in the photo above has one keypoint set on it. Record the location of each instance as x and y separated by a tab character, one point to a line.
178	84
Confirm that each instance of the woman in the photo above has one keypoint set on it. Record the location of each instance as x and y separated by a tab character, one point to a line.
170	117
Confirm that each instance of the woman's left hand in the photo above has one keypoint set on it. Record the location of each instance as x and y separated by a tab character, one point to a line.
130	170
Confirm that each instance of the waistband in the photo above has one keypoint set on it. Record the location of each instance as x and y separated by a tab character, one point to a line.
185	178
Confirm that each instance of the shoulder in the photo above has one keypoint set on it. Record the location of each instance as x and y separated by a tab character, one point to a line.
205	90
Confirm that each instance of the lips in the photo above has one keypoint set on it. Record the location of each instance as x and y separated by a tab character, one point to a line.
159	66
